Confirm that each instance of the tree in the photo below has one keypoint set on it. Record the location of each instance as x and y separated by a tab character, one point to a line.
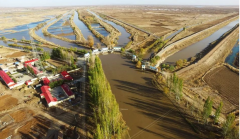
228	125
99	46
139	64
122	50
207	109
171	68
184	61
179	63
90	41
3	38
217	112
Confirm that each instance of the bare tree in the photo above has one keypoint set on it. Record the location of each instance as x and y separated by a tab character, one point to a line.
90	41
99	46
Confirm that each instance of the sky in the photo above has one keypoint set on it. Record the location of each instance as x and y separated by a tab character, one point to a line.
35	3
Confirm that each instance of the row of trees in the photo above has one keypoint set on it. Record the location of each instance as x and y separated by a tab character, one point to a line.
25	47
107	116
56	83
175	85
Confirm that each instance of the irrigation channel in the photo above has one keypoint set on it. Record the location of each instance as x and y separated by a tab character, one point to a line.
231	57
197	47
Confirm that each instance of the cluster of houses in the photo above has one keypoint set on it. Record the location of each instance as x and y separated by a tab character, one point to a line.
56	95
12	70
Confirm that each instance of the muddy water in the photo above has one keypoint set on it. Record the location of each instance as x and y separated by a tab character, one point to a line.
85	31
148	112
195	48
230	59
123	38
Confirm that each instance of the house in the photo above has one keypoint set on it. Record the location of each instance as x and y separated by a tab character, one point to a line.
66	76
117	49
46	81
104	50
95	52
31	61
68	91
9	82
4	68
87	55
51	101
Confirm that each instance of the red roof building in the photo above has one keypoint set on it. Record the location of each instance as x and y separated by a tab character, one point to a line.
66	76
67	90
46	81
35	70
10	83
30	61
48	96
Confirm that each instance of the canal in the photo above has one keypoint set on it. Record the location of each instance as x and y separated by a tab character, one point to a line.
197	47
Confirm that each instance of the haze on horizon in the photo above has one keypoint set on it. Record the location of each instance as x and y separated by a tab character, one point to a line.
41	3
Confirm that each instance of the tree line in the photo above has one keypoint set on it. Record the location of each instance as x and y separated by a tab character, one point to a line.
107	116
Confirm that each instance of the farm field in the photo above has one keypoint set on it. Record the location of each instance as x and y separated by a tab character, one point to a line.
226	82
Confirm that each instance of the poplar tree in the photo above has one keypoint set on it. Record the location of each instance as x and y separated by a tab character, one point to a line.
207	109
228	125
217	112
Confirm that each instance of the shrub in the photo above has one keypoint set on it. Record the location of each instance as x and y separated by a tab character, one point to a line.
171	68
139	64
179	63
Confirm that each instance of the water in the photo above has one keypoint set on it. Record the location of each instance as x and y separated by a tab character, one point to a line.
101	30
195	48
57	41
231	57
123	38
84	29
58	29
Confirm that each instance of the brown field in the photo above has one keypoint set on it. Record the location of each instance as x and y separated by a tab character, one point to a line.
35	128
21	115
17	54
226	82
7	102
56	63
162	20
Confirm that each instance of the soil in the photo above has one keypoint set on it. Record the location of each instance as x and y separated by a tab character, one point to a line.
35	128
56	63
158	19
226	82
21	115
17	54
7	102
146	110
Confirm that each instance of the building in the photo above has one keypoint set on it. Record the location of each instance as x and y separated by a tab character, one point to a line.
68	91
66	76
9	82
30	64
51	101
45	81
31	61
4	68
57	94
